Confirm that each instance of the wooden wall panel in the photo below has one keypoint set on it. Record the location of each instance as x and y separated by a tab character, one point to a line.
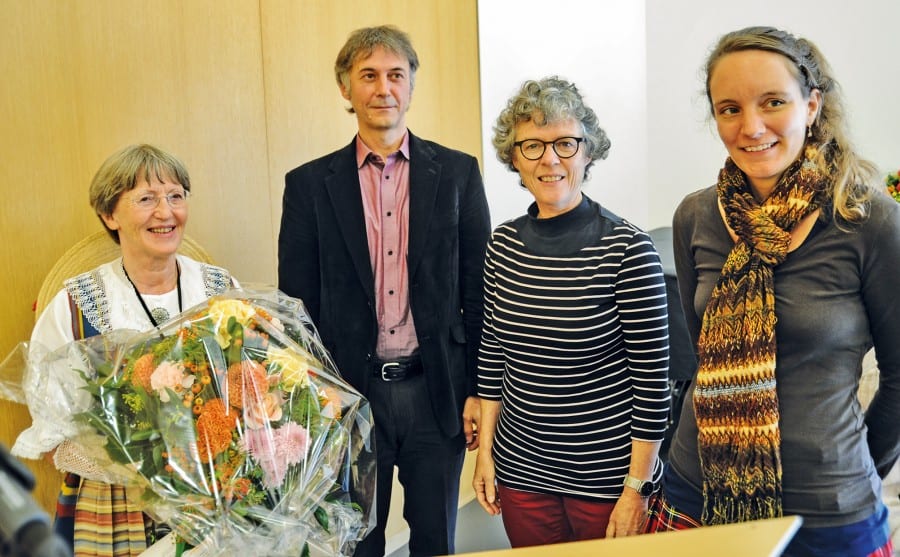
43	207
188	76
85	78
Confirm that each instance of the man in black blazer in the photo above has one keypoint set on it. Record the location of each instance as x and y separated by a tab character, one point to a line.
384	242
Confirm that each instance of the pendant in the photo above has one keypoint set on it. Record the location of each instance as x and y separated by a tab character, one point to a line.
160	315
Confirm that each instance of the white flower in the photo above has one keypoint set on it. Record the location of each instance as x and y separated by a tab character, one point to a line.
169	375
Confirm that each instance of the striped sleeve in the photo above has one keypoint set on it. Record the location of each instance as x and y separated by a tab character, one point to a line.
641	299
490	357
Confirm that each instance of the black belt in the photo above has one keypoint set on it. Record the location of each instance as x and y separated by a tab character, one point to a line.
397	370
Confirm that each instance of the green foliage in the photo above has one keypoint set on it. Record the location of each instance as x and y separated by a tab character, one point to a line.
322	518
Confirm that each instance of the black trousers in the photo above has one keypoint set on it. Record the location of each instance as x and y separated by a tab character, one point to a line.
429	465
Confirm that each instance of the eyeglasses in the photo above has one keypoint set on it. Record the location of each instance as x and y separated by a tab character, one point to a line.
564	147
150	201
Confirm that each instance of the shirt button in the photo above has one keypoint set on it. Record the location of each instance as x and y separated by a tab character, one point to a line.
391	292
392	331
388	213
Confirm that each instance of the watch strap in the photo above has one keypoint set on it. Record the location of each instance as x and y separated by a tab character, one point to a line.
644	487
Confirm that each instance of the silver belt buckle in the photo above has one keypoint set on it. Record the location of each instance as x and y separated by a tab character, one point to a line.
385	368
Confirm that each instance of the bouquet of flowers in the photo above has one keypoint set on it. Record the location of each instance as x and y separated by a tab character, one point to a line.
892	182
234	423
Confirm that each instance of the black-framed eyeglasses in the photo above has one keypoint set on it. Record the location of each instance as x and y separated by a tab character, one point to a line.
564	147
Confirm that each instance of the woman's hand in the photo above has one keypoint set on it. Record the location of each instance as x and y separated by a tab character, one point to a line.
471	420
629	515
483	483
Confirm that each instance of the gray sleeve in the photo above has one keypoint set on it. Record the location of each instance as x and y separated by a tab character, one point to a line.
880	268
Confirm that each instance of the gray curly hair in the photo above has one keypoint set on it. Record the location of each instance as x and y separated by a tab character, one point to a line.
547	101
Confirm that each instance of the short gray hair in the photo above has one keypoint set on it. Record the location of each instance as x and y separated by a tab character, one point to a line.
122	170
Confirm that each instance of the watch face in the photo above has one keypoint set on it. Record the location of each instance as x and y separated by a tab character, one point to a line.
646	489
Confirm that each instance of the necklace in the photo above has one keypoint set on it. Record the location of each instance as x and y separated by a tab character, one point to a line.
160	314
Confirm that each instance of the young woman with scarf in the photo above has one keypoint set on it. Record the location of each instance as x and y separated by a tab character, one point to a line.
785	269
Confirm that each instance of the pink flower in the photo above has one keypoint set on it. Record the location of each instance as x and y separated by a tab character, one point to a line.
169	375
276	450
291	442
260	444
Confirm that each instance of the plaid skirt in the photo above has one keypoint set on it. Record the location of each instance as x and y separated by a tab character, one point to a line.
663	517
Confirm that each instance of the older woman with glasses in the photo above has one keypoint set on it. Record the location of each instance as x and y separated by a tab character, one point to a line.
141	196
573	369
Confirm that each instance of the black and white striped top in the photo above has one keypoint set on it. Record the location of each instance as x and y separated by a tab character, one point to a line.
575	345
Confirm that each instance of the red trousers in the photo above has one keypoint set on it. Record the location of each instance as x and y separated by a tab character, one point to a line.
540	519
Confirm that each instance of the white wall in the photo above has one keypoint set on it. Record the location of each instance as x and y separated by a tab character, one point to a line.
860	40
598	45
638	64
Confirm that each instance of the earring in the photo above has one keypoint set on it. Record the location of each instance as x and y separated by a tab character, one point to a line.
809	131
809	158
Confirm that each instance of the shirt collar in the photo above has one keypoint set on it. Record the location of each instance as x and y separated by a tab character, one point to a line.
363	151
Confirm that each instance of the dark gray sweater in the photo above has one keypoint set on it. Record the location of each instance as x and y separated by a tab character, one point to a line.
837	295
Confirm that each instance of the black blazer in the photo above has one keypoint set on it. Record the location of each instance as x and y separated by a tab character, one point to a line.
323	259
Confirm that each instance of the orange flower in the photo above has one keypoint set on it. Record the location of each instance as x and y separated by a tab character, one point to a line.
143	369
246	376
332	400
214	428
238	489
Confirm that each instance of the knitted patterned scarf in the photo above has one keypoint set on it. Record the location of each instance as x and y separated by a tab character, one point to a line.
735	399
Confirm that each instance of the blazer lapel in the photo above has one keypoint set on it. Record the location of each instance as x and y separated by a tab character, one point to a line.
343	191
424	178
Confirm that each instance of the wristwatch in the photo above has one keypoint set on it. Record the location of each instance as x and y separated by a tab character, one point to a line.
644	487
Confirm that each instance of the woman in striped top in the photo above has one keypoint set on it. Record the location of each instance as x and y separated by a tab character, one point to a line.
573	370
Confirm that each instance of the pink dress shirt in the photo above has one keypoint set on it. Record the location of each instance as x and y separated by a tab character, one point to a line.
384	185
